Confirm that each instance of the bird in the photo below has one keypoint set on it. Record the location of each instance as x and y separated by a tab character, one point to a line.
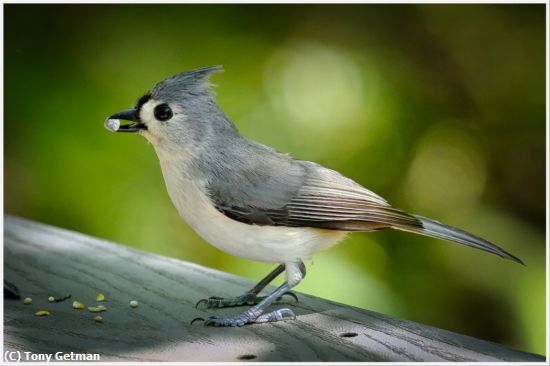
254	202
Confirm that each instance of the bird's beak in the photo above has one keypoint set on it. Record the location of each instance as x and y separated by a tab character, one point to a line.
113	123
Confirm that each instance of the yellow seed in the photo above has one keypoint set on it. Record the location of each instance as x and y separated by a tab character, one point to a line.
51	299
27	301
98	319
97	309
78	305
42	313
134	303
100	297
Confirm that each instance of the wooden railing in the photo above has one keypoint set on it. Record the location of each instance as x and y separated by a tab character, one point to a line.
43	261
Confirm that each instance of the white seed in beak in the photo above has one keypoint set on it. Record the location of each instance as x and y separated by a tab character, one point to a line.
112	124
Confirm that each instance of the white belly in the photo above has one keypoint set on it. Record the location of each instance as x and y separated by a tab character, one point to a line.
273	244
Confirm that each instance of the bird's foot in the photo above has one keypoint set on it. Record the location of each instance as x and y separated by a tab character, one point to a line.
248	298
248	317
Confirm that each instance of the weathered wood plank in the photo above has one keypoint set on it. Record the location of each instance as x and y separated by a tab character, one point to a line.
43	260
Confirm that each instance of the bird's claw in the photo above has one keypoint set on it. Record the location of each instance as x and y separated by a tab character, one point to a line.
198	303
210	302
276	315
248	298
220	302
196	320
291	294
237	321
247	318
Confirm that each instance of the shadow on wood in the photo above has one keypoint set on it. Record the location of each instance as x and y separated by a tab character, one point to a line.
43	260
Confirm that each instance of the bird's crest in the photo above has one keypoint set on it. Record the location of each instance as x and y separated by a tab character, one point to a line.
193	81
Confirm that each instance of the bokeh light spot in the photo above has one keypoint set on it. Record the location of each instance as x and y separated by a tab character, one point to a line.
448	172
320	86
325	95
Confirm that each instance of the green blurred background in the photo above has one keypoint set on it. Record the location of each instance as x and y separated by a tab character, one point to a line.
438	108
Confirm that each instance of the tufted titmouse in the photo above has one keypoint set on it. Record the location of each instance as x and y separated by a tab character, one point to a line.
252	201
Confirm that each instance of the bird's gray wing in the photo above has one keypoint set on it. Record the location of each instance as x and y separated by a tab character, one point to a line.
286	192
305	194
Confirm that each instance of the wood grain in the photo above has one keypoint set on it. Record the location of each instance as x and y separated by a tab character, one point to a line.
43	260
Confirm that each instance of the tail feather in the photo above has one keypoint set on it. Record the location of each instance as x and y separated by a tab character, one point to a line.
438	230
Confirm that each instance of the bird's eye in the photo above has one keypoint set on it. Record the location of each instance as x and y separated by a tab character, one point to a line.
163	112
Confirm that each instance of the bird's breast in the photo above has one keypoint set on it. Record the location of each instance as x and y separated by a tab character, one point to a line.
273	244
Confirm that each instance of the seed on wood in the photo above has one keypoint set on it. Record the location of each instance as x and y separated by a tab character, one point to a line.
96	309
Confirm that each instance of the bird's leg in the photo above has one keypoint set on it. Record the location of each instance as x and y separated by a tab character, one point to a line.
248	298
295	273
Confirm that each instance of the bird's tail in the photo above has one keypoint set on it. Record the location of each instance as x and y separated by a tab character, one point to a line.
438	230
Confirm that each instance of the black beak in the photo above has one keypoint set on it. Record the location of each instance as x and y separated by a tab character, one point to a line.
128	115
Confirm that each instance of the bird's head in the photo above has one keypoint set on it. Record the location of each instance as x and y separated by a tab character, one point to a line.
178	110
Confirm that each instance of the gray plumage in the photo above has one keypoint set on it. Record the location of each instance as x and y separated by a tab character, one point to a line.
256	185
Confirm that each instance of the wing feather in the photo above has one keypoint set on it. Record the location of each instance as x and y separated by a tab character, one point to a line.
324	199
274	189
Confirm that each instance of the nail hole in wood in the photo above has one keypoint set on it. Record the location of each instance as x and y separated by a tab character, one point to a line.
246	357
348	335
